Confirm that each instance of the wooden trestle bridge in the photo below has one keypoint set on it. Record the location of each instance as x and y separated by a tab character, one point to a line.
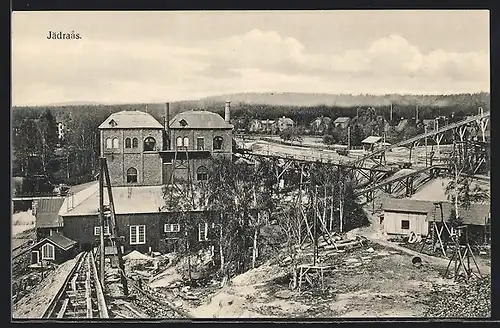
373	174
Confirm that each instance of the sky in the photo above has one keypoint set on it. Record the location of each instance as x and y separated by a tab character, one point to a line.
129	57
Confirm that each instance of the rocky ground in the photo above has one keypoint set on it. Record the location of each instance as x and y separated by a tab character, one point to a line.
368	281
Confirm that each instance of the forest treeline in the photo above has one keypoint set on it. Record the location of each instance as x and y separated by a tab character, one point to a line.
35	127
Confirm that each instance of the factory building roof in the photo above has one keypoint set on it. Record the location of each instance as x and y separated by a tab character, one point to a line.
129	119
128	200
199	119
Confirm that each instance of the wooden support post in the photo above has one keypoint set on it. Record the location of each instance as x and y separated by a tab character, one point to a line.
101	219
116	232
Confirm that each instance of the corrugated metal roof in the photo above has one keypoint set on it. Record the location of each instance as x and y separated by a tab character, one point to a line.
475	215
371	139
129	119
342	119
199	119
47	213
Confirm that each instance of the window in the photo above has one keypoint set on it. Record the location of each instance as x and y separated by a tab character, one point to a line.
115	143
149	144
97	230
48	252
175	227
131	175
179	142
109	143
137	234
218	143
128	143
200	143
186	142
203	231
405	224
135	143
202	174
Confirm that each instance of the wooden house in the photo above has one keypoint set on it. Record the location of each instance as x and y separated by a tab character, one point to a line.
402	216
54	248
47	217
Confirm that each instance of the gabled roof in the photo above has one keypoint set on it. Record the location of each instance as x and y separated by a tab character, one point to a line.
47	213
342	119
475	215
58	240
199	119
371	140
129	119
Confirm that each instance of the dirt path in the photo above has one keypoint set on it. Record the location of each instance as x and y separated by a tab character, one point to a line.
34	305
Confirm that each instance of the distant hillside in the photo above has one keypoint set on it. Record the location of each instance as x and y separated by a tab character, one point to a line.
346	100
314	99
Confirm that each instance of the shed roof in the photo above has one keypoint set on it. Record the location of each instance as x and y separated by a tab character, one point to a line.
199	119
475	215
58	240
342	119
129	119
47	213
371	140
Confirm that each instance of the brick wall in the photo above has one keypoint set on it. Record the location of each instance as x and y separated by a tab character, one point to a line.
147	163
207	135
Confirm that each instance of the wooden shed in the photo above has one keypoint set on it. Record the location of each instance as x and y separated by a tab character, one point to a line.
54	248
402	216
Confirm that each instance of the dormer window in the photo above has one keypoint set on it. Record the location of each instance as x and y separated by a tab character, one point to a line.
183	123
113	123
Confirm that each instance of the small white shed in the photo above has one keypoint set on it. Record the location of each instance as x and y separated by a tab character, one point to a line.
402	216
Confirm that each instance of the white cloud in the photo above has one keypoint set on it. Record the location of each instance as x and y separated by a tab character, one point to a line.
150	69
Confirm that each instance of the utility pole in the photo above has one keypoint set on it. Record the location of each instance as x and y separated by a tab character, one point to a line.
425	132
101	218
67	166
348	138
341	207
315	207
416	115
390	115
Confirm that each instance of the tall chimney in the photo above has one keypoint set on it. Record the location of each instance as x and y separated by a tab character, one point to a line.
227	109
166	124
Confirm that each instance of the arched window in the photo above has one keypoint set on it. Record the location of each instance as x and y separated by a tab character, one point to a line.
115	143
179	142
128	143
135	143
48	252
186	142
149	144
109	143
202	174
218	143
131	175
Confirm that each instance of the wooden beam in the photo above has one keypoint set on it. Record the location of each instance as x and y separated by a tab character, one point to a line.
101	302
63	308
116	232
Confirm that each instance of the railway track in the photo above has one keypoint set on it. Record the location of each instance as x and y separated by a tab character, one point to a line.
81	295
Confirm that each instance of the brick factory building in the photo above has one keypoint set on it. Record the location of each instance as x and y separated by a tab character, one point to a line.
142	157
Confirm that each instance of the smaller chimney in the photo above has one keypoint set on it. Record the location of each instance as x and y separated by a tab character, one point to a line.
227	110
166	124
